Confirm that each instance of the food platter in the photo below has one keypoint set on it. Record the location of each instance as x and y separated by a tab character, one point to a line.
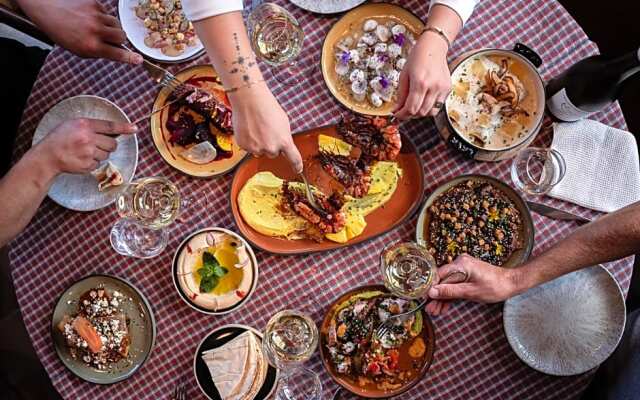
215	339
136	32
526	230
80	192
569	325
349	24
204	76
400	206
142	328
418	368
190	298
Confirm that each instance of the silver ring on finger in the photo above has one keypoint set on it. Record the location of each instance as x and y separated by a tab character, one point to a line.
438	105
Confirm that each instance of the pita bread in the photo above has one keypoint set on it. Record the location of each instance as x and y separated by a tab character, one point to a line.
237	368
107	176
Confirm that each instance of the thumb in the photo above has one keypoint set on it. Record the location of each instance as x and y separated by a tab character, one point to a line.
451	291
403	91
292	154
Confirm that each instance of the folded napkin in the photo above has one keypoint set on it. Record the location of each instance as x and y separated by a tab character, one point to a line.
603	172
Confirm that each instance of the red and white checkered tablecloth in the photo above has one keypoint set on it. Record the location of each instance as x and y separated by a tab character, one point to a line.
473	359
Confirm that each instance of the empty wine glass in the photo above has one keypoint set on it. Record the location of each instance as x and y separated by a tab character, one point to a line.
537	170
290	339
276	38
147	207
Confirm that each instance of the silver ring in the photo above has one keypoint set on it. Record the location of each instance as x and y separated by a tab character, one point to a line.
438	105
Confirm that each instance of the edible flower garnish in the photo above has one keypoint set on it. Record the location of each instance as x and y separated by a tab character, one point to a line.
345	57
384	82
399	39
210	273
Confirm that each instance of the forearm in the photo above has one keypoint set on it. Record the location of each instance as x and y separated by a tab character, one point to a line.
22	190
225	38
611	237
444	18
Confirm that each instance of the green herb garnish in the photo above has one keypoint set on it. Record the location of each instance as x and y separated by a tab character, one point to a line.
210	273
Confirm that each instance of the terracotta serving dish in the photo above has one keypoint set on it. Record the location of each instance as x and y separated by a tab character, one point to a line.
428	334
527	231
170	152
351	22
400	206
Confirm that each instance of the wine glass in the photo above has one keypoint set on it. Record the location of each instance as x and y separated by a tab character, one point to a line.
147	207
408	270
290	339
276	38
536	170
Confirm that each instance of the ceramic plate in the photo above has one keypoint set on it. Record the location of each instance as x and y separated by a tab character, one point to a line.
567	326
136	32
428	334
400	206
348	23
186	299
215	339
80	192
142	327
207	77
327	6
527	231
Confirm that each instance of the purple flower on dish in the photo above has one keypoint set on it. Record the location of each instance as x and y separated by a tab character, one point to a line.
383	57
384	82
345	57
399	39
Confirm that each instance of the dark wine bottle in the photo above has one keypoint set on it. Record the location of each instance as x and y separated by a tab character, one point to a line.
589	85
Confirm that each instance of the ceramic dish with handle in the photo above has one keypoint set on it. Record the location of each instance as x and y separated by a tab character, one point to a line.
215	339
526	229
406	363
80	192
202	76
401	205
569	325
136	33
142	328
352	24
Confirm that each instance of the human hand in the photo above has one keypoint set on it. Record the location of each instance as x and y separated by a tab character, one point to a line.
425	79
78	145
261	126
82	27
485	284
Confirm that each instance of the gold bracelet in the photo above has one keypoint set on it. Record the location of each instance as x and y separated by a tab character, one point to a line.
439	32
244	85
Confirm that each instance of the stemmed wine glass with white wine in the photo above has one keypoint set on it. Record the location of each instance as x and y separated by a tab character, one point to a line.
408	270
147	207
290	339
276	38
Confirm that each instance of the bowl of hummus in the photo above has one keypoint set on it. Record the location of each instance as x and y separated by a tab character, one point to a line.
215	271
496	105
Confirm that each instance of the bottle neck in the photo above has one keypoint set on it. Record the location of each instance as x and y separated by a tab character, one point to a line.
628	65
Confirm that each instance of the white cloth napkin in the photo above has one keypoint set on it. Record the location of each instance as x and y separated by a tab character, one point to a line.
603	172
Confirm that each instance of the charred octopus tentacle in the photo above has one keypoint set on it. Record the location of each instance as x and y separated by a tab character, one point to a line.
332	220
377	137
206	104
353	173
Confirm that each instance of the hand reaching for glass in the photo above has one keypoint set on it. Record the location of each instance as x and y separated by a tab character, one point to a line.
79	145
485	283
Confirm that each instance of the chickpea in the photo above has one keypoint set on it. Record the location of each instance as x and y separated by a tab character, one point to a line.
485	204
469	220
458	225
481	242
499	234
481	224
487	247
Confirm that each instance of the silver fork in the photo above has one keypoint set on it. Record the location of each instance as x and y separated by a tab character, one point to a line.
158	74
180	392
309	193
387	325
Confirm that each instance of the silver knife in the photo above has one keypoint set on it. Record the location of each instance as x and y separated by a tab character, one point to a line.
554	213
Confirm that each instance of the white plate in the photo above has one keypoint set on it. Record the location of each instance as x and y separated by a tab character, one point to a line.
327	6
136	32
567	326
80	192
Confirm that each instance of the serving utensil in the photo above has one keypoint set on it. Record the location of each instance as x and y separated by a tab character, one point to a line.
167	104
310	198
385	327
554	213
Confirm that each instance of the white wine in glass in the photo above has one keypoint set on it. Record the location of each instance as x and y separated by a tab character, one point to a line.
408	270
153	202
